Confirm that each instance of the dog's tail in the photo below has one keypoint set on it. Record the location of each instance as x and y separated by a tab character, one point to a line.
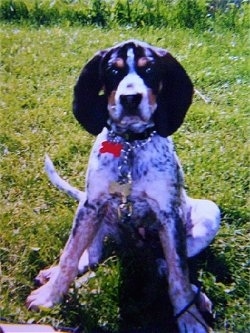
60	183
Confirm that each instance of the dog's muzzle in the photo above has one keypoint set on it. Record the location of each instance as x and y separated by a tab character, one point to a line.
131	102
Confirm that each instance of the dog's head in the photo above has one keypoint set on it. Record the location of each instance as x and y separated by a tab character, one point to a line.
132	86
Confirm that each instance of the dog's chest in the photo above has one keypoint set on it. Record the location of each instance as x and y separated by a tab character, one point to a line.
136	182
151	158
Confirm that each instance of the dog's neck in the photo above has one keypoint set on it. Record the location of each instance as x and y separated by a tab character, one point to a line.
130	136
123	147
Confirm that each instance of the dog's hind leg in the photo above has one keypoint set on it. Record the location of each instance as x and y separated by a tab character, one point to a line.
202	222
49	273
92	256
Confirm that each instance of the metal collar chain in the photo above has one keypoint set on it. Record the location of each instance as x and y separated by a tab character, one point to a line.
123	186
125	164
126	158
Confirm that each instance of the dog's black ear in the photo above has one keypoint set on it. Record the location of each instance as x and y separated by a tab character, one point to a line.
89	105
175	96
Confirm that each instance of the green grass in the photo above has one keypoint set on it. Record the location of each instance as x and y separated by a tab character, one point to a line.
39	69
196	14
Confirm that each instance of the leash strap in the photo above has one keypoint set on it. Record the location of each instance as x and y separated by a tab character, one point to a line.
189	304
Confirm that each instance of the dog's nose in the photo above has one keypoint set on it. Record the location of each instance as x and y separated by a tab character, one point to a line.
130	102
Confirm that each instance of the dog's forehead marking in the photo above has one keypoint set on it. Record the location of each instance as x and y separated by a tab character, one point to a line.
139	57
130	55
131	60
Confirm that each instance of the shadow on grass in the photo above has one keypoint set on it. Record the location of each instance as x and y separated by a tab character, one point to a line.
143	295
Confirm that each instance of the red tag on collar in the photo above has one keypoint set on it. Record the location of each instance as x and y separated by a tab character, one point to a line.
111	147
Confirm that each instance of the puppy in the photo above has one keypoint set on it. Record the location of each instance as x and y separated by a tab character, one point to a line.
134	96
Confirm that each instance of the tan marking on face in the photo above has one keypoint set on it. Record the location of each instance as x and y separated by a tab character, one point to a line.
151	97
111	98
142	62
119	63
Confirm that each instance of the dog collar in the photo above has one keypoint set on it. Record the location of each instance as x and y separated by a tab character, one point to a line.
130	136
118	144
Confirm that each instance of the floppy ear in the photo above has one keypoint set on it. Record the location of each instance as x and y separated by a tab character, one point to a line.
89	106
175	96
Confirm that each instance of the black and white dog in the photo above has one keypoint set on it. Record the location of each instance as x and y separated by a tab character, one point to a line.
134	96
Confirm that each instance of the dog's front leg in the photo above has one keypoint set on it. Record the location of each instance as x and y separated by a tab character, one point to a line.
84	229
173	241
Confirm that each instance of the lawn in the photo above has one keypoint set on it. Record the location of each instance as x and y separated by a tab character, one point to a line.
39	69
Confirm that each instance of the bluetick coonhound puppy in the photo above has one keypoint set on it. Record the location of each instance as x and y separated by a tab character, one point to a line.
134	96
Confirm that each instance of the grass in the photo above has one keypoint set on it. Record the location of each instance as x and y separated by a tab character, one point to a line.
200	15
39	69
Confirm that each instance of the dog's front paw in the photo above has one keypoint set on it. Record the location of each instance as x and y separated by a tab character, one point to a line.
191	321
45	296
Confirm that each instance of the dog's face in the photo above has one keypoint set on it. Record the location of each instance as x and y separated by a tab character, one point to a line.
144	86
132	82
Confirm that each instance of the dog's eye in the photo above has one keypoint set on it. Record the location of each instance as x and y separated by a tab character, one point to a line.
148	70
114	71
